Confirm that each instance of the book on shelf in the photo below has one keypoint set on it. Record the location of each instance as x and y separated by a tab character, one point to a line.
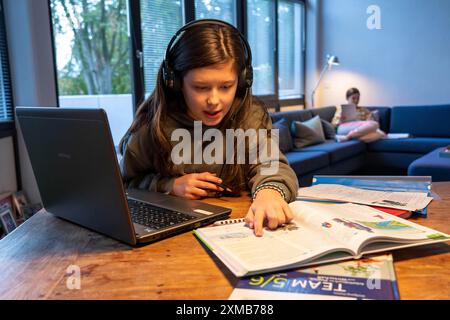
7	214
372	278
421	184
320	233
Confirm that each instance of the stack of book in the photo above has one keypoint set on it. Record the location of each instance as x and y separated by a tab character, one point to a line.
401	196
322	231
331	225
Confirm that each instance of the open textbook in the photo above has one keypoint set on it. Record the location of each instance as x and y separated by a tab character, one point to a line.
320	233
412	201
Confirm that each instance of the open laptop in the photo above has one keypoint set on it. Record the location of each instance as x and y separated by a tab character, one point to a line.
74	161
348	112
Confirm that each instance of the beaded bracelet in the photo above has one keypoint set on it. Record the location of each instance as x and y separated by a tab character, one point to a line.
269	186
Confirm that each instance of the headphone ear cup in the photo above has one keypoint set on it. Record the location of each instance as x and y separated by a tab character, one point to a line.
249	76
166	75
171	81
246	78
176	84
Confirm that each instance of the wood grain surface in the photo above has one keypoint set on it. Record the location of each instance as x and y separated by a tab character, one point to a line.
36	261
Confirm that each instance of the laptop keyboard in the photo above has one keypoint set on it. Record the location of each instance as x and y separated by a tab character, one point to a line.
155	217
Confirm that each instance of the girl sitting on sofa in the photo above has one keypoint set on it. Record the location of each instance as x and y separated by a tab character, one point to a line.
359	124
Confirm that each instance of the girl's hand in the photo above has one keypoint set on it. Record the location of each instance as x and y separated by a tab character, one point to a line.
270	209
193	186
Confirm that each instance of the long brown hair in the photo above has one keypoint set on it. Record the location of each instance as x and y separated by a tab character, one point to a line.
199	46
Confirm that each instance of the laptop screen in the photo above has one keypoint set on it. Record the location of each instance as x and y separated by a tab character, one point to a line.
75	165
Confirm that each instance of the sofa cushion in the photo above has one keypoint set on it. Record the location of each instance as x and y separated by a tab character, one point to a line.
421	121
391	160
290	116
308	132
285	139
337	151
432	165
325	113
304	162
384	115
328	130
412	145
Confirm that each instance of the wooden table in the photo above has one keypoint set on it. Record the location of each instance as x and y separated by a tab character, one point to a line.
36	260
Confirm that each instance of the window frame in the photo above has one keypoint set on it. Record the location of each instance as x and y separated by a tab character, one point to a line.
189	15
7	127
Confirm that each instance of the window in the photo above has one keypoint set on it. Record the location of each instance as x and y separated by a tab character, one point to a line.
92	49
92	58
160	19
275	30
261	37
6	105
216	9
290	50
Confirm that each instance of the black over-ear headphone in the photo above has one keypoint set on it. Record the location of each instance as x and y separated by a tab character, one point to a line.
172	82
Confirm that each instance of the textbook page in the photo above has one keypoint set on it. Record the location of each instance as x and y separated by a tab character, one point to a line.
290	244
365	225
411	201
327	219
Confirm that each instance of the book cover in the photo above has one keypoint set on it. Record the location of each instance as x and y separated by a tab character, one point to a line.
369	278
405	214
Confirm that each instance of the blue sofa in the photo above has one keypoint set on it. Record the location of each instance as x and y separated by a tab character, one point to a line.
429	127
325	158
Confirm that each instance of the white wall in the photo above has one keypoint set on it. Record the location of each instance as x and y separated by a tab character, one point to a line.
407	62
32	72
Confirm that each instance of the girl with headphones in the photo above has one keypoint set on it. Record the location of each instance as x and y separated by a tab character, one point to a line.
206	76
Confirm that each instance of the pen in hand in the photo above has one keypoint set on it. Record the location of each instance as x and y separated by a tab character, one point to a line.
224	187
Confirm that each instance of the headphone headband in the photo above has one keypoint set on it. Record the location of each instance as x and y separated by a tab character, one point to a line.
168	73
210	21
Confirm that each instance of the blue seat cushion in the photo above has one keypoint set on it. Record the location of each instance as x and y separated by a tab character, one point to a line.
421	121
304	162
432	165
337	151
411	145
394	160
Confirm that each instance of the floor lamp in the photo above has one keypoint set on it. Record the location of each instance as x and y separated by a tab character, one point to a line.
331	61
